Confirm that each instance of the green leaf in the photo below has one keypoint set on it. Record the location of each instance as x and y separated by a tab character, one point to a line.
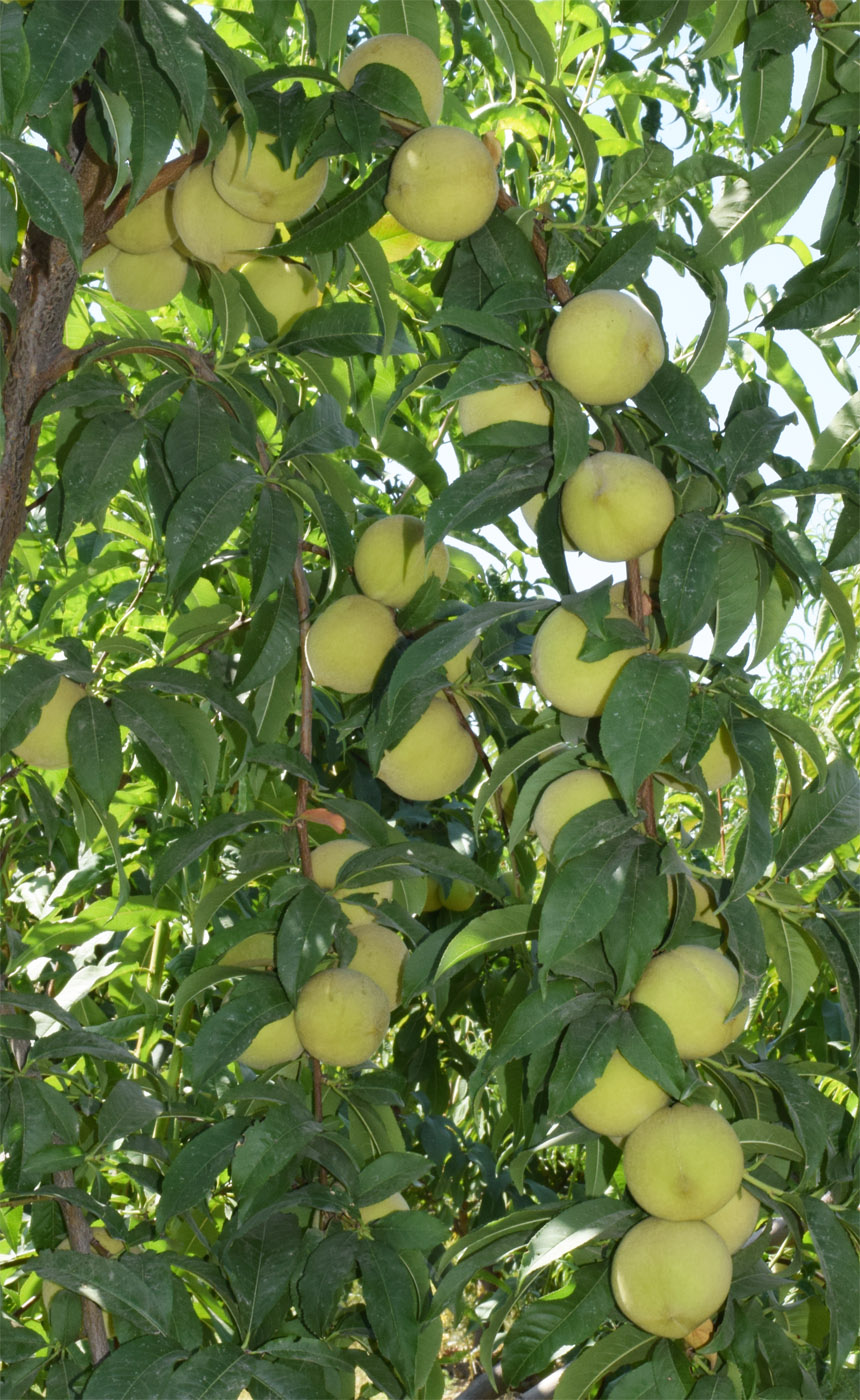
631	177
153	103
331	21
543	1329
757	207
484	368
51	197
765	96
749	441
180	853
574	1228
36	1117
342	221
817	295
688	579
840	435
97	467
482	495
271	641
205	514
305	935
815	1119
839	1265
340	328
674	403
213	1372
389	1297
415	17
647	1044
256	999
643	719
127	1108
477	323
621	1347
180	736
27	687
273	544
329	1270
759	1138
579	132
638	925
581	899
63	44
822	817
727	30
536	1021
711	345
584	1051
253	1260
374	268
132	1286
319	428
500	928
198	437
95	750
737	592
391	90
142	1366
116	115
391	1172
622	260
14	66
788	949
178	53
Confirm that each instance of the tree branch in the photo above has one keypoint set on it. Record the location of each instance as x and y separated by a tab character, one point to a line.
42	289
81	1239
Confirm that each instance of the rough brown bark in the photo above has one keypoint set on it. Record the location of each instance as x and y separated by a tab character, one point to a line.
81	1238
42	289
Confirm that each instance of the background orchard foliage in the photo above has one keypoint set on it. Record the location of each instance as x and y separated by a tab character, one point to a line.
178	490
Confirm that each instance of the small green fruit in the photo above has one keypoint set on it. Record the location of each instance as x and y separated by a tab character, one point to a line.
145	281
326	864
565	797
616	506
380	955
735	1221
684	1162
411	56
284	289
575	687
381	1208
620	1100
147	227
693	988
347	644
341	1017
434	757
45	746
669	1276
506	403
604	347
443	184
210	229
720	762
256	185
390	562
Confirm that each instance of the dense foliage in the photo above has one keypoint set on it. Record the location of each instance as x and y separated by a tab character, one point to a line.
181	494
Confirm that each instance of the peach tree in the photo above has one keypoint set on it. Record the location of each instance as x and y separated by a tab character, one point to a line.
306	430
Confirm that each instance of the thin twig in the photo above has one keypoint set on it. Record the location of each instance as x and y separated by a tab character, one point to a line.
300	583
636	609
